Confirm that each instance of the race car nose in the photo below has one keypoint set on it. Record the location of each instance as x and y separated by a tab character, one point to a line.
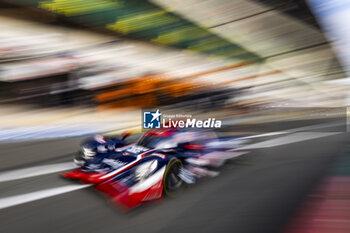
91	177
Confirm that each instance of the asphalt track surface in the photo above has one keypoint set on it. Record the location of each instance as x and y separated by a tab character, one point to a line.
256	193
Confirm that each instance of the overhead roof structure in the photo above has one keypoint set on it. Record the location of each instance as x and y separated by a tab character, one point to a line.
269	48
282	32
147	21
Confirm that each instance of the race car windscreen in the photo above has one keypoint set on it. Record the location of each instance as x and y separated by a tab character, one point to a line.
155	142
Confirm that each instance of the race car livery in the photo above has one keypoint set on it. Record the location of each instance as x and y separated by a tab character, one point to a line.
161	162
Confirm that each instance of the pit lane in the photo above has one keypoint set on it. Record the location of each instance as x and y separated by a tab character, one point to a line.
256	193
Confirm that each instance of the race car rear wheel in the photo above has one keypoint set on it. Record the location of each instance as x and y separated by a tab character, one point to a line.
172	183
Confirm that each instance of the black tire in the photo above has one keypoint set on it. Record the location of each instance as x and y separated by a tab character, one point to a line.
172	183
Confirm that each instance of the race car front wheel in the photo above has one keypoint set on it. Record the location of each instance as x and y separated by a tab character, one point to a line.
172	183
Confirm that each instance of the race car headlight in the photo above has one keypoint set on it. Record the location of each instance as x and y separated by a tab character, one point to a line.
88	153
145	169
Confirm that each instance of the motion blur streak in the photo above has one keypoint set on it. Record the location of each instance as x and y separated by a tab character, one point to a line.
35	171
34	196
292	138
275	73
294	130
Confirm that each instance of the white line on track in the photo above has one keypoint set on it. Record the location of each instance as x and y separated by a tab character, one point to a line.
288	139
265	135
318	126
7	202
294	130
35	171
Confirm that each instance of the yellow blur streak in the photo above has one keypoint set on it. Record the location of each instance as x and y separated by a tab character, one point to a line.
131	23
180	35
208	44
77	7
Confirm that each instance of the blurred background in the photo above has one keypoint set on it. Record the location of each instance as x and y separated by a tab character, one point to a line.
73	58
73	68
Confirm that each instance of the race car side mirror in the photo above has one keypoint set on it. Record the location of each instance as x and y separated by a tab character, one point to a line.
125	135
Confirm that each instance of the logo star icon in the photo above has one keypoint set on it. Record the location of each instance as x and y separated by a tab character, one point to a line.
156	115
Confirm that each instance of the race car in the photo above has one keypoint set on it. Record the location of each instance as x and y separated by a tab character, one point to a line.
161	162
